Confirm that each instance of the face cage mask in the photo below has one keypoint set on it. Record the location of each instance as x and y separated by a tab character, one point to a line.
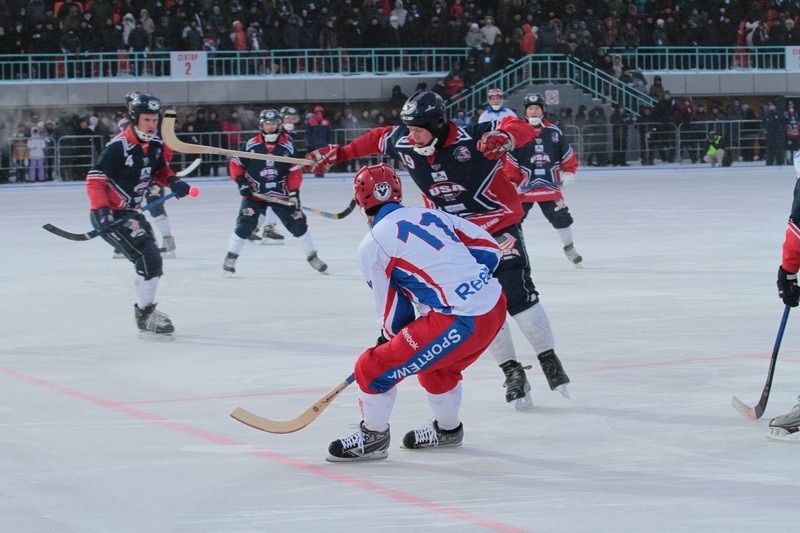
427	150
144	137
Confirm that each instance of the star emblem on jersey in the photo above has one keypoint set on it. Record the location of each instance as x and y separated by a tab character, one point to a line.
382	191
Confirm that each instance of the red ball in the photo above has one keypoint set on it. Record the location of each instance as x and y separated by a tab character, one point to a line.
194	192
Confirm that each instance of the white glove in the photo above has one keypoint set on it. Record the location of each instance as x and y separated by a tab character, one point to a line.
567	179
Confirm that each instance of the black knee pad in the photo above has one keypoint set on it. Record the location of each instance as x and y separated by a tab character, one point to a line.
247	221
297	224
557	213
514	271
148	262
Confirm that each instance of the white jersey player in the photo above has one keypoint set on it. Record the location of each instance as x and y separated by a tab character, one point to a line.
439	308
496	109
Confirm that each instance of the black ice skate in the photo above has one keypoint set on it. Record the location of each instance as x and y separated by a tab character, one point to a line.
153	324
254	237
516	385
433	436
786	427
317	263
557	379
271	235
573	255
168	247
229	265
363	445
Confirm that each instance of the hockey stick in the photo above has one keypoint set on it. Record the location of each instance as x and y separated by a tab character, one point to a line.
754	413
188	170
297	423
327	214
168	134
194	191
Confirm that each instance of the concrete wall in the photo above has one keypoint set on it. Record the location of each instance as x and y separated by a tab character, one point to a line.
283	89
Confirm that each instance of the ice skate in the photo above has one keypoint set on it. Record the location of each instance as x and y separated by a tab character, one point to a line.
168	247
363	445
271	235
153	324
118	255
516	385
433	436
229	265
574	257
784	428
557	379
254	237
317	263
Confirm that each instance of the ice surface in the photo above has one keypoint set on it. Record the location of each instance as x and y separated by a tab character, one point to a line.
674	312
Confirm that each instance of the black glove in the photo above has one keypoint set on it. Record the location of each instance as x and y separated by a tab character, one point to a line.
294	198
788	290
244	187
381	340
105	217
179	187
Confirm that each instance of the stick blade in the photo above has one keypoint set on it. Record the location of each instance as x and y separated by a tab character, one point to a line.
66	234
279	427
748	412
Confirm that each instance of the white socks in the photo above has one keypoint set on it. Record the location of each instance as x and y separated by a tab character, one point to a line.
502	347
536	327
376	408
236	244
163	225
566	235
145	291
445	407
307	244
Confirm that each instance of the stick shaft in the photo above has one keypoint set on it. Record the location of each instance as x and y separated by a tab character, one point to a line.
755	413
168	134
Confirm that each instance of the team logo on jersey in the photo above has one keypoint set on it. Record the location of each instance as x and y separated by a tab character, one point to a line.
540	159
508	245
462	154
382	191
447	190
439	176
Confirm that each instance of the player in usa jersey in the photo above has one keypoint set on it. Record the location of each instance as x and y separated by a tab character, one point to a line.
116	185
439	308
786	427
458	170
264	184
541	168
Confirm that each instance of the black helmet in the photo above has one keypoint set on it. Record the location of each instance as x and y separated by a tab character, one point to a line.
289	111
269	116
535	99
424	109
144	103
131	96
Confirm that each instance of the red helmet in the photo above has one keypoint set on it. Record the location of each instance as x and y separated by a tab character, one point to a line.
376	185
494	91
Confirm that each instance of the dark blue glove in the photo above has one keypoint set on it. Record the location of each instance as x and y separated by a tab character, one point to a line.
179	187
294	198
788	290
105	217
244	187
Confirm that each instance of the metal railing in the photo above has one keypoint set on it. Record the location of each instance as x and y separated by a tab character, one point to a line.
348	61
553	69
701	58
70	157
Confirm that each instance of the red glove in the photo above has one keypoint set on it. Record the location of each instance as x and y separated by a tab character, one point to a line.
494	144
324	158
